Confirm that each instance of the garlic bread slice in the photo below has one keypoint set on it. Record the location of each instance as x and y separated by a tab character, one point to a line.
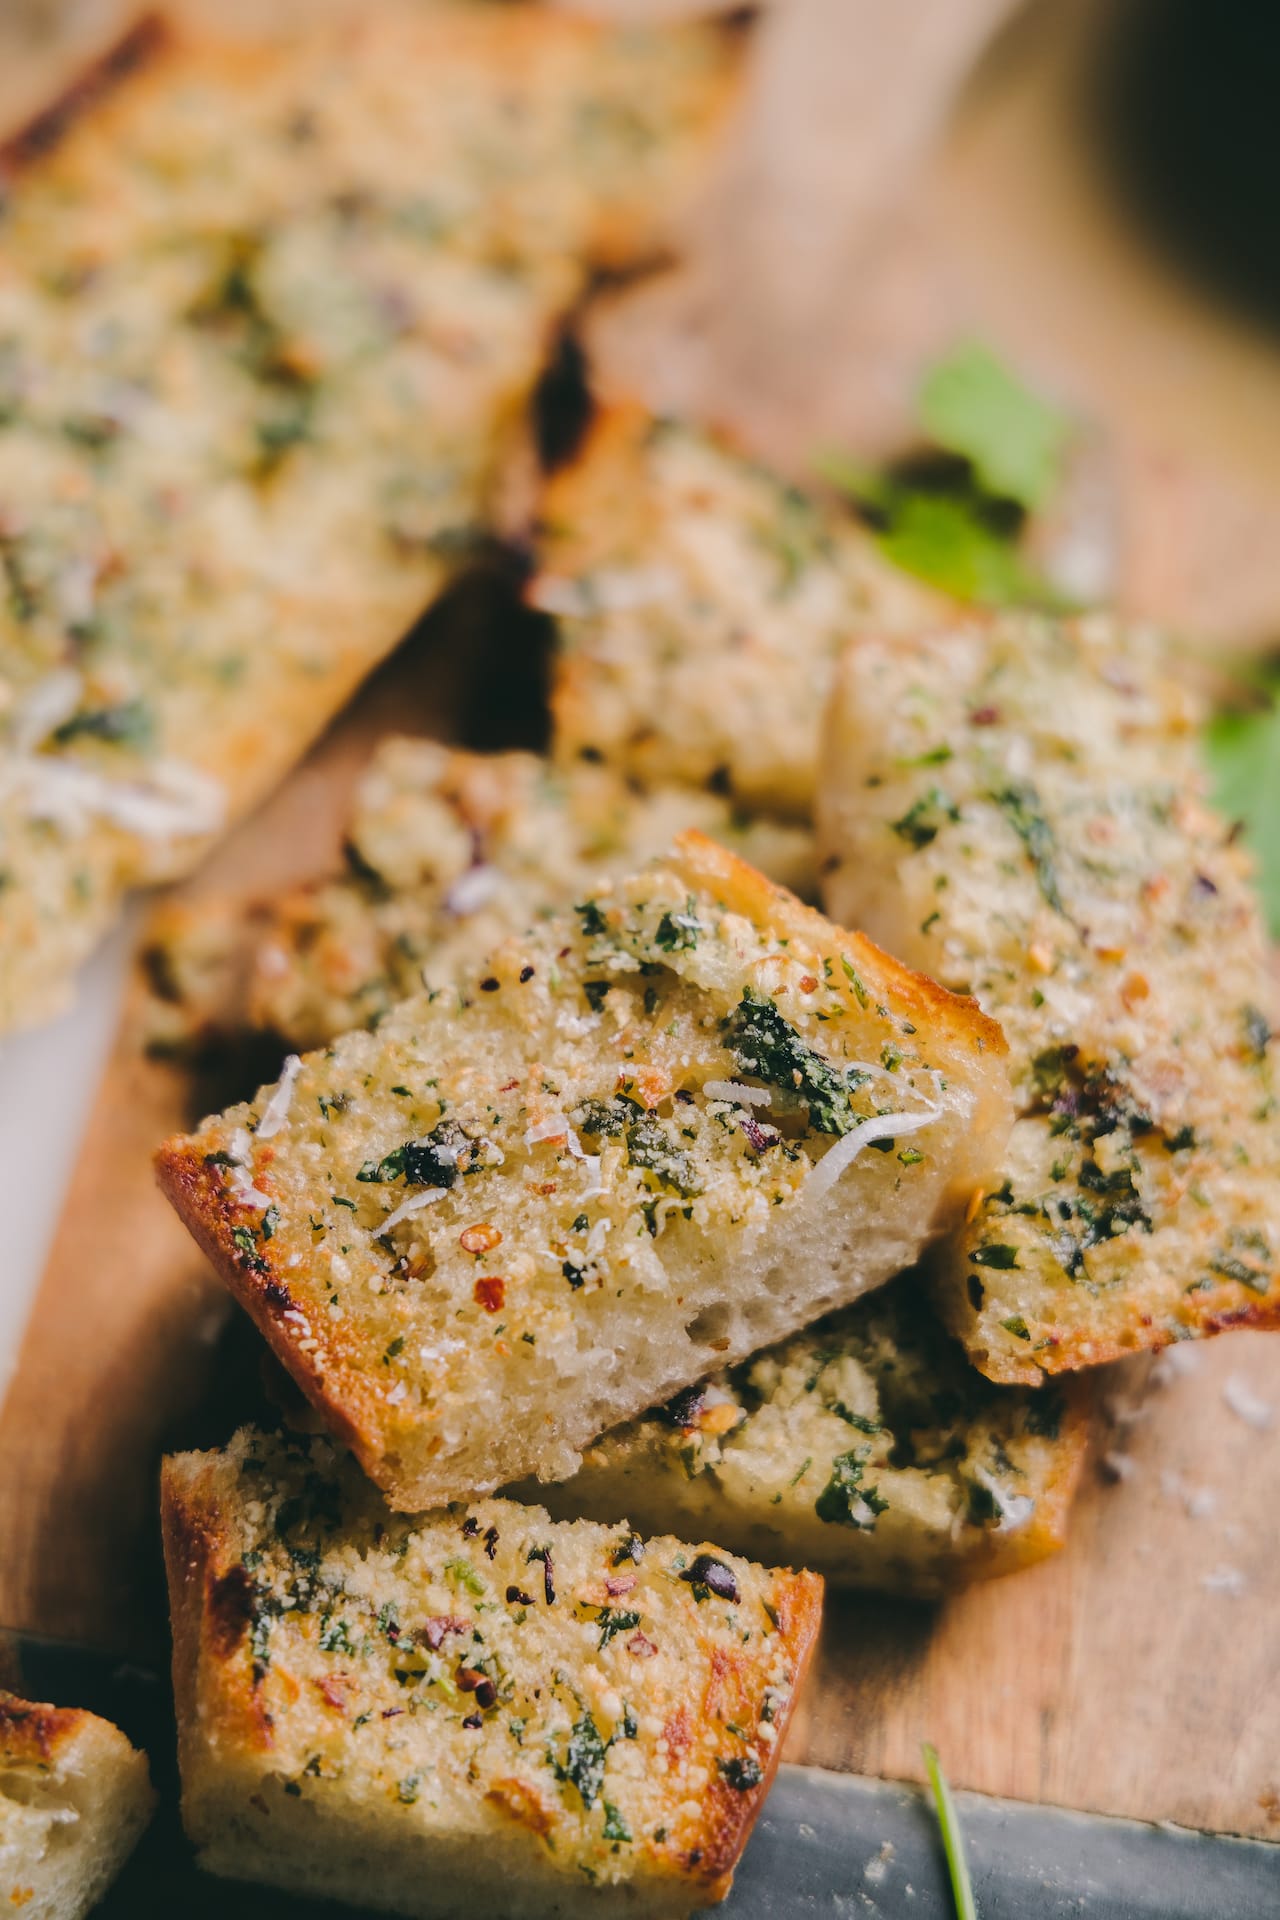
75	1799
865	1447
701	603
1018	806
642	1139
474	1711
446	853
267	314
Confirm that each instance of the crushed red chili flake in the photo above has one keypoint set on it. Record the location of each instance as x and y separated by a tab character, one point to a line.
392	1713
619	1583
984	716
808	983
482	1238
641	1647
490	1293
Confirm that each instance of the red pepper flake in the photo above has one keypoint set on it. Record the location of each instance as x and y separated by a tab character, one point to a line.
984	717
392	1713
482	1238
641	1647
808	983
490	1293
434	1630
508	1086
619	1583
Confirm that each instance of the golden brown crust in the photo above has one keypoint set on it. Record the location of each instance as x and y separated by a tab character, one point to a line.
45	130
260	1285
32	1732
244	1713
746	890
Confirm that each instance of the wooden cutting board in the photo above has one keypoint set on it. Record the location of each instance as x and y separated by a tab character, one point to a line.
1134	1675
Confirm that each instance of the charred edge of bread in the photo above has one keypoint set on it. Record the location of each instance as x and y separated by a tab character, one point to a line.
136	48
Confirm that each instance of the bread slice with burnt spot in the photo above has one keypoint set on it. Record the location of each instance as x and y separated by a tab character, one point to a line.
641	1140
1019	807
479	1710
75	1798
865	1447
268	313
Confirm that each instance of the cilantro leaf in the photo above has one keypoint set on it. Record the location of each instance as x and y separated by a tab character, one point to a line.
1013	439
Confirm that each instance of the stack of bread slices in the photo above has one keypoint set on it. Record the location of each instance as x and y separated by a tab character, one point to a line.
646	1242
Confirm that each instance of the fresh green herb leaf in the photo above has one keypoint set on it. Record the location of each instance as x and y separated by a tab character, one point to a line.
1014	440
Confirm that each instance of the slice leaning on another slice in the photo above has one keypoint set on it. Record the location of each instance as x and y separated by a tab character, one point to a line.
630	1148
865	1447
701	603
75	1799
267	315
1018	807
476	1711
446	853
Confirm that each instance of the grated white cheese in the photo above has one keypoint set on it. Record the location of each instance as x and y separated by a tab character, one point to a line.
881	1126
1223	1579
426	1198
473	889
734	1091
276	1111
175	800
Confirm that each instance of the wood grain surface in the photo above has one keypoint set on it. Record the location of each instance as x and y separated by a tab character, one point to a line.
1134	1675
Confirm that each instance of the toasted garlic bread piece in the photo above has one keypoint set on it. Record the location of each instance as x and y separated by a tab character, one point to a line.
447	852
865	1447
479	1710
1018	808
701	603
627	1149
265	317
75	1799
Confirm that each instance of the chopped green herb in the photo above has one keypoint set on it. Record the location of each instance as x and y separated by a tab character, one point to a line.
998	1255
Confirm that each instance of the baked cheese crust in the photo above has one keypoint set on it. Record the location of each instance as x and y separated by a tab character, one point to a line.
265	316
628	1148
1018	807
75	1798
700	604
479	1710
865	1447
446	853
